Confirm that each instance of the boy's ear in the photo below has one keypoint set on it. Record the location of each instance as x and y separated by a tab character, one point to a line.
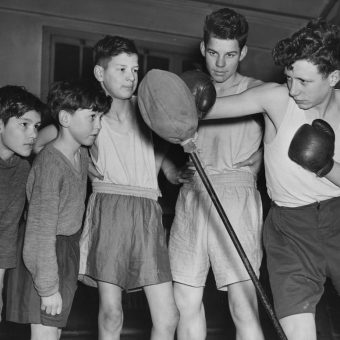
98	72
244	52
202	48
334	77
64	118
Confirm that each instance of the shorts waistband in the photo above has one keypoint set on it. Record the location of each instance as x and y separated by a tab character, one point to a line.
231	178
128	190
316	204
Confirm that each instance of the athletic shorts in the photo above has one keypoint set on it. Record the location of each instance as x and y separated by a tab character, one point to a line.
198	237
23	301
124	242
302	247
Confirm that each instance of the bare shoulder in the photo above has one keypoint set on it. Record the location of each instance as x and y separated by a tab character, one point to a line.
271	91
275	98
252	82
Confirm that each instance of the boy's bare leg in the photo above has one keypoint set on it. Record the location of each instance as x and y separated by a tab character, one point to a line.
41	332
299	326
192	323
244	311
2	276
164	312
110	318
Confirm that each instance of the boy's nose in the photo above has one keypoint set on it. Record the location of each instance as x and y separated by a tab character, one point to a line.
293	89
220	62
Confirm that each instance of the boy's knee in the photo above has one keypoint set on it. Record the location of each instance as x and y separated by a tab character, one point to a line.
167	323
41	332
111	317
243	314
173	318
186	302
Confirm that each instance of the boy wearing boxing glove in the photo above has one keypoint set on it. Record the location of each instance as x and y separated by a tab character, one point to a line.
302	230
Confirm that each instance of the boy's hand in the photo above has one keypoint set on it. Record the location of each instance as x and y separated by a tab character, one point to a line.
254	161
52	304
181	175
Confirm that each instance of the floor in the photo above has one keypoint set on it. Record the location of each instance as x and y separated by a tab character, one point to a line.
83	319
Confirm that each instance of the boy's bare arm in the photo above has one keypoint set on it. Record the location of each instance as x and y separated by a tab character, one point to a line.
262	98
254	161
334	174
45	135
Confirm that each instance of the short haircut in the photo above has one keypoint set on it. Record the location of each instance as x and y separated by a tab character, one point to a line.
15	101
226	24
318	42
111	46
71	96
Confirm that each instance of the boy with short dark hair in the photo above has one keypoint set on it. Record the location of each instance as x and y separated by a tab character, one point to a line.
123	244
20	117
56	190
198	238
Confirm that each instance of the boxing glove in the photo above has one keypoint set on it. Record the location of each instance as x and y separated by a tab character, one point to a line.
202	89
312	147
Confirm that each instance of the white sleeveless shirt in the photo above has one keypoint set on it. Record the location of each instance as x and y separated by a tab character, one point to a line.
126	159
221	144
288	184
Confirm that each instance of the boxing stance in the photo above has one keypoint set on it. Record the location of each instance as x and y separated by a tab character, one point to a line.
302	229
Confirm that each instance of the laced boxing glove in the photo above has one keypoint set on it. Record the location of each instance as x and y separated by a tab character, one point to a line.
202	89
312	147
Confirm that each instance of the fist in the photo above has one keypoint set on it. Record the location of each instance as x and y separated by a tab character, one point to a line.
312	147
202	89
52	304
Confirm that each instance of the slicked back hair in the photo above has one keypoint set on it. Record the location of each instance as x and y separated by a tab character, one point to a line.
226	24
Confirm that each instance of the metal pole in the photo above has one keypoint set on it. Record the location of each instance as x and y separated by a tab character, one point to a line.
259	289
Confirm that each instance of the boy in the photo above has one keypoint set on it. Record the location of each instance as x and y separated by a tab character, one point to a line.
301	233
20	117
123	245
198	237
56	189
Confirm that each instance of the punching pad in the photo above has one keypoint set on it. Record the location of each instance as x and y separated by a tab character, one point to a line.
167	106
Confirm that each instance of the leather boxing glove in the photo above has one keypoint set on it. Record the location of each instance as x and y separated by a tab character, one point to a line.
202	89
312	147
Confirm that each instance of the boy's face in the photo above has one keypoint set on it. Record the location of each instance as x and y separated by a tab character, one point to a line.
307	86
84	126
120	77
222	57
19	134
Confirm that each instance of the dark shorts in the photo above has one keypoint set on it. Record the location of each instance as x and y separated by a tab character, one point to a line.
303	249
23	301
9	245
124	242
